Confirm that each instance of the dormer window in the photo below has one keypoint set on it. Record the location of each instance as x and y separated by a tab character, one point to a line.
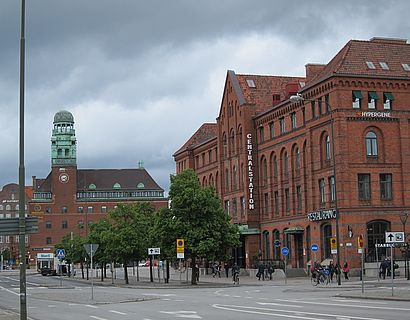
117	186
405	66
140	185
370	65
92	186
384	65
372	98
251	83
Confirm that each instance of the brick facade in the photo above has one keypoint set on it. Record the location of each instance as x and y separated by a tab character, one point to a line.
341	149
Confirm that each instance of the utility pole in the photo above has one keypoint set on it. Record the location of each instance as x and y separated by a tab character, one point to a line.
22	183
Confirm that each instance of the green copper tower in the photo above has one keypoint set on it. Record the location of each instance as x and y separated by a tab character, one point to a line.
63	141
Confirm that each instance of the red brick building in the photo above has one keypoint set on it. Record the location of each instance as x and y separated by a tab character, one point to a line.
70	199
331	163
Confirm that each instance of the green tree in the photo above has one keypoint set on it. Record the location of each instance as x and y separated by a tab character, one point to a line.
200	220
128	239
73	246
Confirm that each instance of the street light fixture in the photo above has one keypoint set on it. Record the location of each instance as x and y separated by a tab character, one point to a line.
403	219
299	98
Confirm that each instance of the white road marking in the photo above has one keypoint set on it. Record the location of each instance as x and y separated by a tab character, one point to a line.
159	294
279	304
91	306
16	293
286	313
98	318
118	312
359	301
344	305
183	314
51	305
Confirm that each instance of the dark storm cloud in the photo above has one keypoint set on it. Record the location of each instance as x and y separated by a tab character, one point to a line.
141	76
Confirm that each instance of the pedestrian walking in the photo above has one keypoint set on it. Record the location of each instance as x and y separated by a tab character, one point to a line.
332	270
383	269
346	270
261	271
271	270
226	267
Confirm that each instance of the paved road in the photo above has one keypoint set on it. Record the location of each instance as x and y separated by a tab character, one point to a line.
213	299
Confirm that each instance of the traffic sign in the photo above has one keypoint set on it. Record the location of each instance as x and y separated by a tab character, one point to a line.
285	251
276	243
314	247
333	245
60	254
91	248
394	237
154	251
360	242
180	246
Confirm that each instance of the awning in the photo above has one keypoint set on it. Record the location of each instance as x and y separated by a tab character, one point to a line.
294	230
245	230
357	94
373	95
388	96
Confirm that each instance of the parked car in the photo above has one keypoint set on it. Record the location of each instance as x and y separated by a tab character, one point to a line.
47	272
147	263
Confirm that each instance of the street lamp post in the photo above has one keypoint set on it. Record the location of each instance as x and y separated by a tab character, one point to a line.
403	219
300	98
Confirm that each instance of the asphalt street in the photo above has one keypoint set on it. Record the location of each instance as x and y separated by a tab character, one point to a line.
213	298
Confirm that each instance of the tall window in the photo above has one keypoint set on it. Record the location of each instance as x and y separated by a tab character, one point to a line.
387	100
264	172
235	178
299	197
266	203
287	200
376	231
48	240
320	105
225	145
242	200
328	151
64	210
282	125
285	165
226	179
308	243
266	244
271	130
327	104
322	196
364	186
297	161
386	186
293	119
232	142
276	202
332	188
356	99
240	137
313	108
372	99
227	207
261	134
371	144
275	168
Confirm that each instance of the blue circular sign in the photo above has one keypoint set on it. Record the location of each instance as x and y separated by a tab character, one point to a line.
314	247
277	243
285	251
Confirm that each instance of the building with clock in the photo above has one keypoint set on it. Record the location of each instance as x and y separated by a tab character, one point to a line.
69	199
316	164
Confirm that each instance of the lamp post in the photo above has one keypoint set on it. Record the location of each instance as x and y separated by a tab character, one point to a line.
403	219
300	98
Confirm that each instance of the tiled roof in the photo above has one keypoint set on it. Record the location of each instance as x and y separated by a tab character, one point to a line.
205	133
352	58
265	87
104	179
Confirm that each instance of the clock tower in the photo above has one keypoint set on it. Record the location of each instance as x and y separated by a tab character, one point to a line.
64	159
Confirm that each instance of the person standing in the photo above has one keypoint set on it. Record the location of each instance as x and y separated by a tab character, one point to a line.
261	271
346	270
332	270
226	267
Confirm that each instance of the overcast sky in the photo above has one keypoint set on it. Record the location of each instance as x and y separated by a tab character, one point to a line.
140	77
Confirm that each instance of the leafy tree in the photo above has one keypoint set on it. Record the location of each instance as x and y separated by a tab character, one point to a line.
73	246
197	216
128	239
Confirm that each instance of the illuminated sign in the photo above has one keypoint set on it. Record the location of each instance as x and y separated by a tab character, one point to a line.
249	149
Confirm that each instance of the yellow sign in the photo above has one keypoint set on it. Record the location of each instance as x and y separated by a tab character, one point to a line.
333	244
360	242
180	245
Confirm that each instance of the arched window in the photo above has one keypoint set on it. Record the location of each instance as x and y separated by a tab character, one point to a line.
92	186
275	168
266	245
240	140
326	236
297	161
140	185
328	153
232	142
376	232
8	207
371	144
226	179
285	165
117	186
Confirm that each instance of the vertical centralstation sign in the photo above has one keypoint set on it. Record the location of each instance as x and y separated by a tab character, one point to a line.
249	149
